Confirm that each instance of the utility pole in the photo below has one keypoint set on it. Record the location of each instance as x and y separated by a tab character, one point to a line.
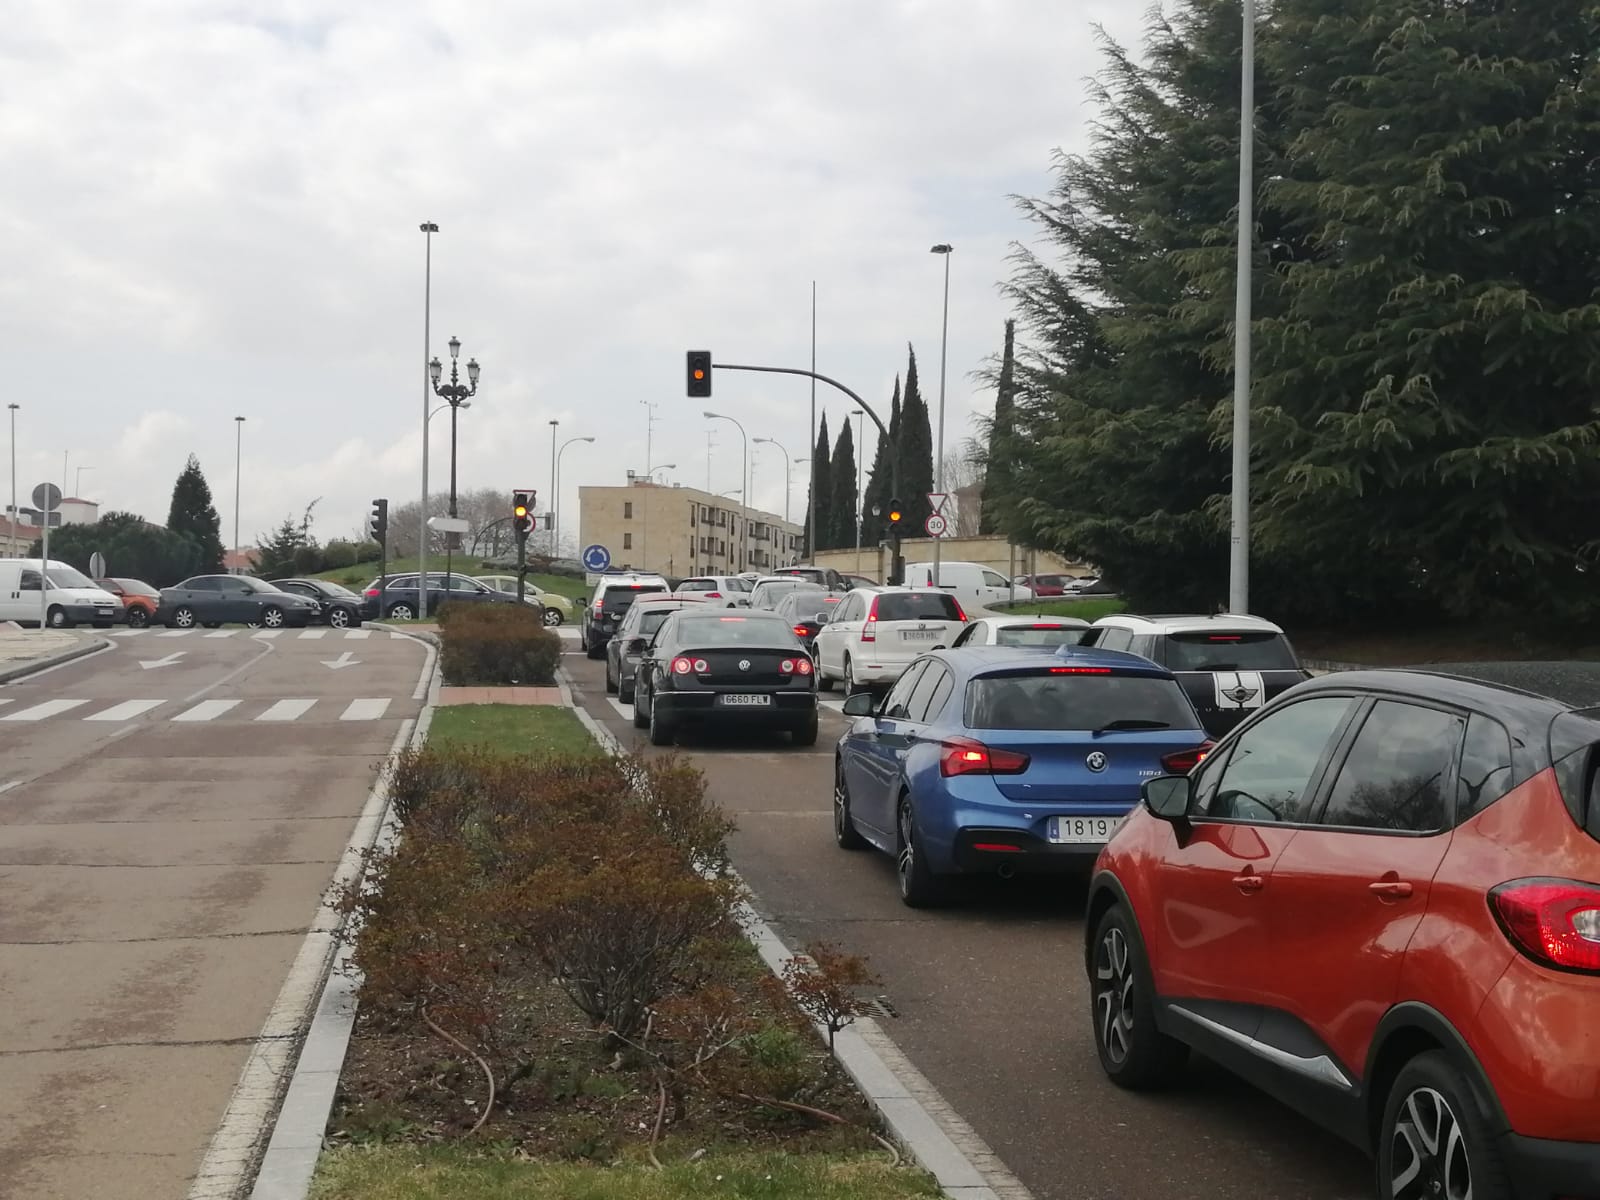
1239	541
811	492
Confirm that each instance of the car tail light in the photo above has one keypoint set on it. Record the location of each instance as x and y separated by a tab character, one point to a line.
966	756
802	666
1181	762
599	607
787	666
869	631
1553	921
373	592
801	631
1080	670
701	666
681	666
961	613
713	595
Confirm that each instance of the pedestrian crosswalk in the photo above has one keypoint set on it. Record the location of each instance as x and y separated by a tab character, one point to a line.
260	635
276	711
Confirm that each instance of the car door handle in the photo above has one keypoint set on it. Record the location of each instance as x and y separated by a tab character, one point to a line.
1249	882
1390	889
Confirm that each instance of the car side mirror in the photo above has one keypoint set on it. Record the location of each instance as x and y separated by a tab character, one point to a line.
822	618
637	645
862	704
1168	796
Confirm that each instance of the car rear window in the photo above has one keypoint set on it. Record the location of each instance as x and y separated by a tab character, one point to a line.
1225	651
624	596
918	606
735	631
650	621
1038	635
1054	700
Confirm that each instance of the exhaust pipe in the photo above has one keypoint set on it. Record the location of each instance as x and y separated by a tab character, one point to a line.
1006	871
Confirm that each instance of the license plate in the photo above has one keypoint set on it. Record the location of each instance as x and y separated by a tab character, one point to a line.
919	635
1083	831
738	701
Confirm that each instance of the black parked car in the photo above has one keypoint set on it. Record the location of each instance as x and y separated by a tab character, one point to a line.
725	670
340	607
627	646
213	600
398	597
802	607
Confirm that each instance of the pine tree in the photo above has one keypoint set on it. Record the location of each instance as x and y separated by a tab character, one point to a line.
999	476
822	489
278	553
878	481
194	516
916	455
842	505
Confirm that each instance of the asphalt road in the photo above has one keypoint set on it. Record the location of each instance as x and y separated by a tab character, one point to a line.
166	835
992	1001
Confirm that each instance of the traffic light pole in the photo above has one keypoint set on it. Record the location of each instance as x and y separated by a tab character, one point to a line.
897	568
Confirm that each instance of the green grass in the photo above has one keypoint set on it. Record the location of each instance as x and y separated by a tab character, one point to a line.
513	728
1088	610
444	1173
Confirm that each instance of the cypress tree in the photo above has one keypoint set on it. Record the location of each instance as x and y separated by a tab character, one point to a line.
195	517
877	491
916	454
842	506
822	488
998	471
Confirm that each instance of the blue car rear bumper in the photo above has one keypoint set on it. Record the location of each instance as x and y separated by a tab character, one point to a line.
964	830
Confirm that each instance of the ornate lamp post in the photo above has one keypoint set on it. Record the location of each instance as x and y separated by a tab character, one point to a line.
456	394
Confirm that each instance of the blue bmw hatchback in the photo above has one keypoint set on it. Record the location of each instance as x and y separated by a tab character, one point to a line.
997	760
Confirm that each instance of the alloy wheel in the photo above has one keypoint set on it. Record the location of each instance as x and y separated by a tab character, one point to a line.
339	618
183	618
1113	994
272	618
906	860
1429	1150
841	807
552	617
400	612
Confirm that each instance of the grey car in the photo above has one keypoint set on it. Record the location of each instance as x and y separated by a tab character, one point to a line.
628	645
213	600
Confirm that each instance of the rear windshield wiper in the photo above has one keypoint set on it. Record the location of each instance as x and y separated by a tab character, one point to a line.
1132	723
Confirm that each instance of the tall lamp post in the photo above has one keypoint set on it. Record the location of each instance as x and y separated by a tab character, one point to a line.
428	230
12	515
238	466
744	496
550	496
788	466
555	509
1239	540
943	249
861	460
456	394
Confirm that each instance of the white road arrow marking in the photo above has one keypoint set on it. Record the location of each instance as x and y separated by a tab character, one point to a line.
344	660
147	663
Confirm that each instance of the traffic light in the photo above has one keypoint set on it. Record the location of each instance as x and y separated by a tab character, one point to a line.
522	518
699	373
378	522
896	514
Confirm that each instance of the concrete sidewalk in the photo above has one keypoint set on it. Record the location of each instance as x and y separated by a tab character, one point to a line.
23	651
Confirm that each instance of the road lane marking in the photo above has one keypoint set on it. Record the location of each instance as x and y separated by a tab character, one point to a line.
124	711
623	710
206	710
344	660
130	632
165	661
287	710
358	633
312	634
39	712
364	710
6	787
5	701
267	634
175	633
216	633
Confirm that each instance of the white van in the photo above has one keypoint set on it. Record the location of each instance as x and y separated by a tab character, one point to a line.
69	596
974	584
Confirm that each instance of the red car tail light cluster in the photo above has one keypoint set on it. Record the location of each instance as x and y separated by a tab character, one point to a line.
1181	762
967	756
683	666
790	666
1553	921
869	631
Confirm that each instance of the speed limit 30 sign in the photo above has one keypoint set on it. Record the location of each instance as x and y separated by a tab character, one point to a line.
936	525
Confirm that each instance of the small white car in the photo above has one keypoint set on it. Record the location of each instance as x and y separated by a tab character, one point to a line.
1025	633
719	591
876	633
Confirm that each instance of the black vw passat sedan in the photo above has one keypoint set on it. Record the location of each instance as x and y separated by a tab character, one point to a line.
725	671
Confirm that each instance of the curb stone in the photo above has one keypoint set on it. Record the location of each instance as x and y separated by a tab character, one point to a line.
918	1118
32	666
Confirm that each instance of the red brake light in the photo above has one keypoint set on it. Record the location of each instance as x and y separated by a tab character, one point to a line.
373	592
599	606
1224	637
803	666
1045	627
967	756
801	631
730	618
681	666
1555	922
961	613
1080	670
1181	762
869	631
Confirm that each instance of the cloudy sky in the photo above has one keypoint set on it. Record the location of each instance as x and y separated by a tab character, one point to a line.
211	210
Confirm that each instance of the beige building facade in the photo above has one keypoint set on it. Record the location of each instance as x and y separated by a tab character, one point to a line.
993	552
682	531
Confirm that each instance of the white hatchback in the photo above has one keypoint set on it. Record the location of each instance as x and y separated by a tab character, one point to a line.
876	633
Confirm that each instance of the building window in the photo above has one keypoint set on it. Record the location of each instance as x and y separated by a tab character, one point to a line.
627	510
627	541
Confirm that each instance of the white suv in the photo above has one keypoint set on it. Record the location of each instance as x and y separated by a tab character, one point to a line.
876	633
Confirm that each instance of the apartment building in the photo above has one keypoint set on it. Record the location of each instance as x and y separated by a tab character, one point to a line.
682	531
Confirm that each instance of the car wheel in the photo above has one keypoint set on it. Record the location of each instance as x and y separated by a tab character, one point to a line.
339	618
624	692
597	651
806	735
844	825
552	617
1133	1053
272	617
919	886
851	687
611	684
662	731
56	618
138	618
400	612
182	618
1433	1142
641	714
824	680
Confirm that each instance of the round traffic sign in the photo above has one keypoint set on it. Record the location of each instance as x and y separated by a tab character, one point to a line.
596	557
936	525
47	497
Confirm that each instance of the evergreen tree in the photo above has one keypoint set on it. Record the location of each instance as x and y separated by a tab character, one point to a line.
999	476
133	548
916	455
878	482
822	488
279	554
194	516
842	504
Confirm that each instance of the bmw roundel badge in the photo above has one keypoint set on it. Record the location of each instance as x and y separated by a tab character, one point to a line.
1096	760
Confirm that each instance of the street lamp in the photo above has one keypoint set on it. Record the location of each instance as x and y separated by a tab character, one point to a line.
550	497
12	526
456	394
555	515
861	459
1239	539
744	498
943	249
238	467
428	230
788	465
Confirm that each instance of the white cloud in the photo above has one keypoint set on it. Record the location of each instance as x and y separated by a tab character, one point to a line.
213	209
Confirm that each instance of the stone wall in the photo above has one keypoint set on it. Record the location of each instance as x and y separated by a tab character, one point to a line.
993	552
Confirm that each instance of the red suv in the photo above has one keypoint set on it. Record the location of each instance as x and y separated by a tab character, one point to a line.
1379	900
